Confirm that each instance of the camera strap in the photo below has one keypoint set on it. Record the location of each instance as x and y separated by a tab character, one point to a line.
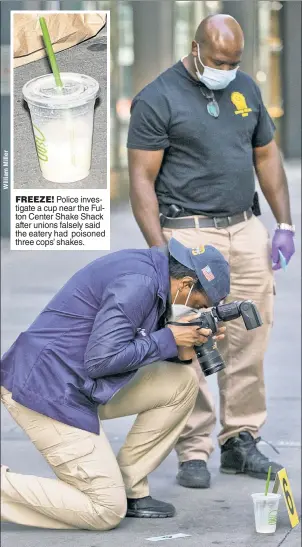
190	324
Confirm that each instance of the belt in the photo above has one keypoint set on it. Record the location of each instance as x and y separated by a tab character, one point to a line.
202	222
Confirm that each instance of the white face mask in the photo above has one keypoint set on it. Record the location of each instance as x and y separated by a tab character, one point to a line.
180	310
214	78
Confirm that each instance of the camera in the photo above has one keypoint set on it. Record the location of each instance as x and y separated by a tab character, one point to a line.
208	355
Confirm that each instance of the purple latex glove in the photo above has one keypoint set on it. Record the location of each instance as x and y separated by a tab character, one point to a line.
283	241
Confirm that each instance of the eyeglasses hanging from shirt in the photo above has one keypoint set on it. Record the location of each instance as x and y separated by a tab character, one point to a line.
212	106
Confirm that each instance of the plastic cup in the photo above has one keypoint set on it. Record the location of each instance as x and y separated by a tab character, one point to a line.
62	121
266	511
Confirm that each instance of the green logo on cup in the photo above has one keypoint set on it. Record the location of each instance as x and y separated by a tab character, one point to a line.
40	144
272	517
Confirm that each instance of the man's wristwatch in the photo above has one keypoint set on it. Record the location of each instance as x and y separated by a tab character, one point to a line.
284	226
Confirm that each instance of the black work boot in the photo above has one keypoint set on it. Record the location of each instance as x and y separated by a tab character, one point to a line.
241	455
149	508
194	474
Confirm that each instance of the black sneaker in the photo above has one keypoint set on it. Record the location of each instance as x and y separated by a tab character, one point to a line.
149	508
194	474
241	455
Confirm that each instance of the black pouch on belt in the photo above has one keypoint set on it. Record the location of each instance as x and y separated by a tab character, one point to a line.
256	205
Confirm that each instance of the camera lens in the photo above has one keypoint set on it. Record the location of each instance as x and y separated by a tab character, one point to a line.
209	358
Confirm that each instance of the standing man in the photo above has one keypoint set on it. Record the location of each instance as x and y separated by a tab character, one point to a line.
196	134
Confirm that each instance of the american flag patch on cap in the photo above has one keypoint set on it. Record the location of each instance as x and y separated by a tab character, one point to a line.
207	272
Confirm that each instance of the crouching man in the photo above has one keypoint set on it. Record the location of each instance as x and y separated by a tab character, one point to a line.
100	350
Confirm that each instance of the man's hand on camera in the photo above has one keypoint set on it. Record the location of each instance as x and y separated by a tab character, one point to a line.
186	354
220	334
188	336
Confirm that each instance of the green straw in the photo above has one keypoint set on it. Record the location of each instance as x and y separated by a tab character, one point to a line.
267	480
50	52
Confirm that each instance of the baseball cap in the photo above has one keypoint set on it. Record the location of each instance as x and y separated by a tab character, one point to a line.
211	268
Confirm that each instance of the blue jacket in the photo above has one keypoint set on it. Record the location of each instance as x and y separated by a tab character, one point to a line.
92	337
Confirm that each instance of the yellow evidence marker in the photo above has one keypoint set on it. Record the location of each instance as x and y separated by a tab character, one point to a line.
283	481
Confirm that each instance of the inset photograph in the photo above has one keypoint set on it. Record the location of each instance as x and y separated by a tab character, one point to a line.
59	84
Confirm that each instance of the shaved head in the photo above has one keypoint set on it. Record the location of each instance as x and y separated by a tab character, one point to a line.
218	43
220	31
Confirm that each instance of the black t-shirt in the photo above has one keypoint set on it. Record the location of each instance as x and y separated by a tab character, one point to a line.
208	162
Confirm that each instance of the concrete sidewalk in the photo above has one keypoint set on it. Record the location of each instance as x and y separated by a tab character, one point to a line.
222	515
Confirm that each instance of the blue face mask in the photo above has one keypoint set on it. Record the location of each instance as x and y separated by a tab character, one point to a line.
214	78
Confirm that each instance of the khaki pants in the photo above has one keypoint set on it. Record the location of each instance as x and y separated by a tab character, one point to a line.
91	486
246	246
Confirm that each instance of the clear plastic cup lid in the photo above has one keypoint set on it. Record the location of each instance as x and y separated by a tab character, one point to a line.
268	496
77	90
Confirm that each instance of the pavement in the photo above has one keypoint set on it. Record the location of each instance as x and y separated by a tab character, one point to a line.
90	58
223	515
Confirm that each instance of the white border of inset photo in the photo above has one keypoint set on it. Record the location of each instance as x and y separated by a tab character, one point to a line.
107	98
